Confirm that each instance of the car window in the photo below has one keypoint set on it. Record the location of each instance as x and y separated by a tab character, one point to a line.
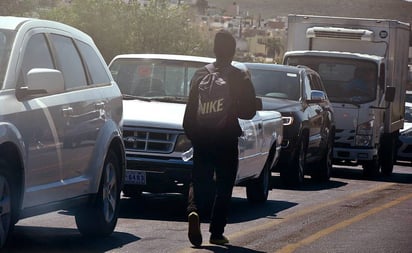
36	55
340	77
6	42
278	84
408	97
69	62
307	87
96	69
315	83
152	77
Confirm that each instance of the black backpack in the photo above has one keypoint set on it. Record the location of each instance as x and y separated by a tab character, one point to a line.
215	108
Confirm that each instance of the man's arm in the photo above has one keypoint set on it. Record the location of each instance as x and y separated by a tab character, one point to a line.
247	97
189	120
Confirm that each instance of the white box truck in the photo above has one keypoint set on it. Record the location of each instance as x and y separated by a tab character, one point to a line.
364	66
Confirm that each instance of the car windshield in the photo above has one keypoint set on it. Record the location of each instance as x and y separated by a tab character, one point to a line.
6	41
166	80
277	84
408	114
408	106
347	81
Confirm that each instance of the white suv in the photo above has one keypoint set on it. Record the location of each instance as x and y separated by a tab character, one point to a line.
60	117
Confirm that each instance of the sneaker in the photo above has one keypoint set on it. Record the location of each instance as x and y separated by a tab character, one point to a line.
195	235
218	239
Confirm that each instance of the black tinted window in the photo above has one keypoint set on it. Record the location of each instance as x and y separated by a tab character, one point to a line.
272	83
69	61
154	77
315	83
36	55
96	69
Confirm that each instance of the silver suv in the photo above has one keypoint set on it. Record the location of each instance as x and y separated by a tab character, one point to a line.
60	116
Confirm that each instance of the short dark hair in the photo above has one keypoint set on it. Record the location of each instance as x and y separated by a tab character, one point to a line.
224	45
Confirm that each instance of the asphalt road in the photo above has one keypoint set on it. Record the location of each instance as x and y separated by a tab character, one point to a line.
347	214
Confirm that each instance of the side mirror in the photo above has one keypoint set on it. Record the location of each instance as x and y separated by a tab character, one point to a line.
317	96
259	105
390	94
41	81
50	80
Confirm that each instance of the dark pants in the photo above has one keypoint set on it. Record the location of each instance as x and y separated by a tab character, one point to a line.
214	172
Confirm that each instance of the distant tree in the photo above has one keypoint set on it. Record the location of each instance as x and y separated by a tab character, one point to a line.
274	47
117	27
202	6
26	8
15	8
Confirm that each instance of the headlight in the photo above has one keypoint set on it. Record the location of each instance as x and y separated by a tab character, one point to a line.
365	128
363	140
364	134
182	144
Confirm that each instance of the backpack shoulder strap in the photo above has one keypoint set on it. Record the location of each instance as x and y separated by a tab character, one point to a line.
210	67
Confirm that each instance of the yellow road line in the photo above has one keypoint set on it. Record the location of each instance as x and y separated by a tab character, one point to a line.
305	211
292	247
272	223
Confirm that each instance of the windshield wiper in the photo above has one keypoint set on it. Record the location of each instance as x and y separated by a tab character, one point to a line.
348	102
170	99
132	97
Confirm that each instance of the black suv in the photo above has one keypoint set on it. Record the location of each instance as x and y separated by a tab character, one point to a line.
308	122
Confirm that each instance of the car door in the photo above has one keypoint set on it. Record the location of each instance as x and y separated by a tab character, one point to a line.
315	120
40	121
327	113
250	143
84	111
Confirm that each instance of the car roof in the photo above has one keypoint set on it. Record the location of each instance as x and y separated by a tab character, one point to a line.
174	57
17	23
273	66
11	23
333	54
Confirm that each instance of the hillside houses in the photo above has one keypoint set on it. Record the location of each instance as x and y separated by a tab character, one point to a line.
257	39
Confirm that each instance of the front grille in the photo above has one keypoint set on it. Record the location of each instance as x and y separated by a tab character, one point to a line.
338	35
344	138
149	140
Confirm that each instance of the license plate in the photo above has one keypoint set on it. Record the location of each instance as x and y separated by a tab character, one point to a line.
135	177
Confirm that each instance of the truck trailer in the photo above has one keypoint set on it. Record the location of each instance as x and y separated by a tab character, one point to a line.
363	64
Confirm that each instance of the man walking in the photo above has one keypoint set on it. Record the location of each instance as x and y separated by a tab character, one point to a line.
215	140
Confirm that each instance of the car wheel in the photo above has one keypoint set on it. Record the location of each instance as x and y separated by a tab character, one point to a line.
257	190
321	171
388	155
100	217
371	168
8	212
293	175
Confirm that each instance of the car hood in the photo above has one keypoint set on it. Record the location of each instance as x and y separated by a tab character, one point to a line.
281	105
153	114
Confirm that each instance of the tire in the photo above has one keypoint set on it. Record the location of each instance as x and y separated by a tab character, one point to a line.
100	217
388	149
294	174
8	202
257	190
371	168
321	172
